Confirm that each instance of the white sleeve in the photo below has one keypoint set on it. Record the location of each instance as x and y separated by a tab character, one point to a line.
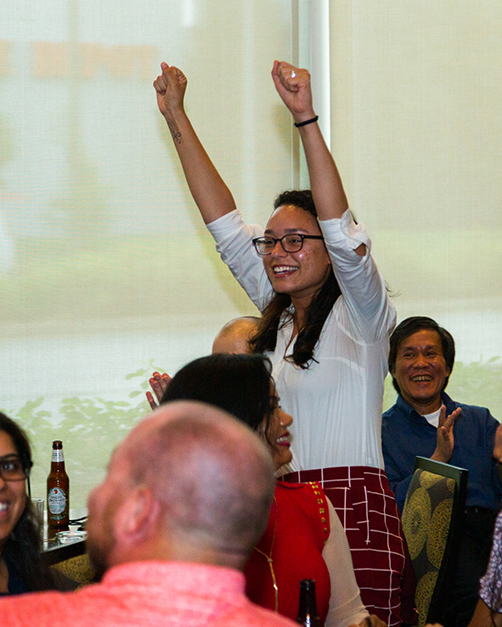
234	242
345	605
362	286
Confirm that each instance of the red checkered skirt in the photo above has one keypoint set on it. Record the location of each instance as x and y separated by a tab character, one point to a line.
368	512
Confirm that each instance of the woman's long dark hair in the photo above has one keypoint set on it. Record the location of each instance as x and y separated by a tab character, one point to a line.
238	384
24	545
275	315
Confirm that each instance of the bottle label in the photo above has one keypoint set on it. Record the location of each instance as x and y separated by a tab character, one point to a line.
57	455
56	502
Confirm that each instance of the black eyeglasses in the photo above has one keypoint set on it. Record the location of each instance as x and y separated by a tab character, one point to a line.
291	243
12	468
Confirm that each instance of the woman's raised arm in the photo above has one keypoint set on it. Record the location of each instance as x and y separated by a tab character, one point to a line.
293	86
212	196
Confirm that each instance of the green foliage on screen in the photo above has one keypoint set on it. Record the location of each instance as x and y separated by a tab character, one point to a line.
89	428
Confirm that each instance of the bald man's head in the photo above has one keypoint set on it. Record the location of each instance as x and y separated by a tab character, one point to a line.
209	475
235	335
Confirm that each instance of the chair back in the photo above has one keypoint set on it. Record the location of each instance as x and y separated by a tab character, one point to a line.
70	565
432	526
74	573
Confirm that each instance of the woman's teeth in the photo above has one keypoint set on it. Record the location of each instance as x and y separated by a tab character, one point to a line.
283	269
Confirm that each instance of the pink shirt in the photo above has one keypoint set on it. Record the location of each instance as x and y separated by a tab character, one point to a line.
150	594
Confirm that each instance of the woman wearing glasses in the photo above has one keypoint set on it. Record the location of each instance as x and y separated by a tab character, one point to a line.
325	327
21	569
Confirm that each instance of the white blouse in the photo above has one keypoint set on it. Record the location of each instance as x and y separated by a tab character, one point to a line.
336	403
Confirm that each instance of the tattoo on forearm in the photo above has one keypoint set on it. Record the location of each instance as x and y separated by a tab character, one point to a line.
176	135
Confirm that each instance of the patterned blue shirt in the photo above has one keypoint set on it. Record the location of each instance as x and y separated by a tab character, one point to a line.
491	583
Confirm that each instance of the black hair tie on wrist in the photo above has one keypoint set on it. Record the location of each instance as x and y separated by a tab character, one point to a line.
298	124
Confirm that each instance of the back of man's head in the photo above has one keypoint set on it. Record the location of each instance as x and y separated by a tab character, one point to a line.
211	474
413	325
234	336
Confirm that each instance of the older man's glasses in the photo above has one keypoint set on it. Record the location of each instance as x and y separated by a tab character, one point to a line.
291	243
12	468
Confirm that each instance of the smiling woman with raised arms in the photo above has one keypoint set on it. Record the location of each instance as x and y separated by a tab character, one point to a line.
325	327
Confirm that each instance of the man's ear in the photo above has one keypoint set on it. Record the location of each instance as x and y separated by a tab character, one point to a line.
137	516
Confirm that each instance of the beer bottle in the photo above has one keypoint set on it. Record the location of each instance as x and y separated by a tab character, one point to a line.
307	611
58	493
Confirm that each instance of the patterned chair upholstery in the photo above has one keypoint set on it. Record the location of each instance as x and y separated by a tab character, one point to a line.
432	519
70	565
74	573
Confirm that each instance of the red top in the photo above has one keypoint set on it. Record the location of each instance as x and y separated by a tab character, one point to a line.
300	518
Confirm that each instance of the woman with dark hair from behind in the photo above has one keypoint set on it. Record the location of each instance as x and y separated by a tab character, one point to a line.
304	538
21	567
